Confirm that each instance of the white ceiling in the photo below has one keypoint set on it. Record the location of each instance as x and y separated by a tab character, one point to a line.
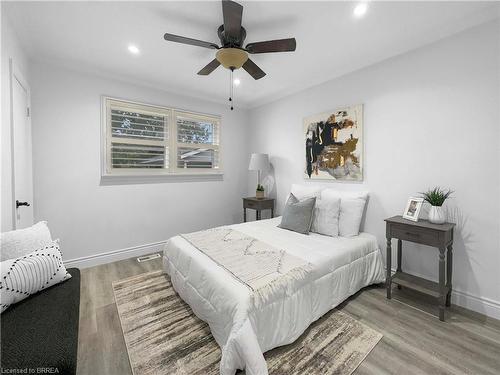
330	41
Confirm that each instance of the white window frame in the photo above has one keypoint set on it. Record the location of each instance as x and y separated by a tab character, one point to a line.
133	175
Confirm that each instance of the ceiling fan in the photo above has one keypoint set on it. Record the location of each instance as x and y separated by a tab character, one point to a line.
231	54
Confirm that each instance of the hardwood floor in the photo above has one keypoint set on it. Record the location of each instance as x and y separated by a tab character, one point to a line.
414	342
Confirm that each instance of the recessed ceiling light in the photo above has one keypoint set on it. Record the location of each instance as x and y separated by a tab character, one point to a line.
236	82
133	49
360	10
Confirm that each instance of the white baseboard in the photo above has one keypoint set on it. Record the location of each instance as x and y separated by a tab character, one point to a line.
482	305
115	255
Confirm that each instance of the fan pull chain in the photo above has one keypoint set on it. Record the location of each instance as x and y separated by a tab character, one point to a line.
230	83
231	88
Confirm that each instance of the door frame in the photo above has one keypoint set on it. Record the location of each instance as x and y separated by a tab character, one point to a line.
15	74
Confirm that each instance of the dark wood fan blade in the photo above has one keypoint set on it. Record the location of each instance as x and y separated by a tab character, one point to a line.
232	13
191	41
253	69
280	45
212	65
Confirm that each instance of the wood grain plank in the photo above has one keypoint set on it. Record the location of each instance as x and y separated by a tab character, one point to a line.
414	342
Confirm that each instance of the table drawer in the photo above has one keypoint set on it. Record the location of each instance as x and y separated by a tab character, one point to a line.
413	234
251	204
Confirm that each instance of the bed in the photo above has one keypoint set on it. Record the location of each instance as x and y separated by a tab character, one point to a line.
339	268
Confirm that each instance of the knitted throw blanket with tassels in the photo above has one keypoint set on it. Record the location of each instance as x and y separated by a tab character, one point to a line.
256	264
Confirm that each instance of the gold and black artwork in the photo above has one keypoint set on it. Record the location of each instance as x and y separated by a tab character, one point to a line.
334	145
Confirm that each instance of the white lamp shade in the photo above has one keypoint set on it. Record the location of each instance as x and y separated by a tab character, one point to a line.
259	162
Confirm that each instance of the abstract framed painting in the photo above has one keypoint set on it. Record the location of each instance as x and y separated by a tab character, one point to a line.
334	145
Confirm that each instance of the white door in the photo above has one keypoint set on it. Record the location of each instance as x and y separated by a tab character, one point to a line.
21	152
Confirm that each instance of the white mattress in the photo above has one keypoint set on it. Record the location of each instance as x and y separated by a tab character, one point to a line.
342	266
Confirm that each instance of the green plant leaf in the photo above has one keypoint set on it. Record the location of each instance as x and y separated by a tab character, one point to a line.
436	196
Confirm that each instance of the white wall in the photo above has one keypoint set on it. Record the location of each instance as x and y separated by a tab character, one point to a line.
11	49
431	117
91	219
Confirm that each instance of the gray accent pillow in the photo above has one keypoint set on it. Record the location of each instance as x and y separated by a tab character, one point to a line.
297	215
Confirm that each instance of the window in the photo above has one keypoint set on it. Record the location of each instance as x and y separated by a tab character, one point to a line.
150	140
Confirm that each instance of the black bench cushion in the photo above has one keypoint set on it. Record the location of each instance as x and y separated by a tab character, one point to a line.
42	330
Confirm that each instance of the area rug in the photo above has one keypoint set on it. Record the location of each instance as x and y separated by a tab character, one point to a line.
163	336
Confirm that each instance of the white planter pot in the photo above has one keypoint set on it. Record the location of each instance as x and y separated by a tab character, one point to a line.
437	215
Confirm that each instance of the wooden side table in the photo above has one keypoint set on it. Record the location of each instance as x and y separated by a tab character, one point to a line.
425	233
257	204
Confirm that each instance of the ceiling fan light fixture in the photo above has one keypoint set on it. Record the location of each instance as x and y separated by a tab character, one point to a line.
231	58
232	54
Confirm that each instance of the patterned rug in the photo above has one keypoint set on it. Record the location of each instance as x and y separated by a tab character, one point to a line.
163	336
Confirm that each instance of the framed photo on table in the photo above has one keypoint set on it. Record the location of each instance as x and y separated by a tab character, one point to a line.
413	208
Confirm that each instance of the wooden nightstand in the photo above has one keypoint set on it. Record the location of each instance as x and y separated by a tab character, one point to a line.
257	204
425	233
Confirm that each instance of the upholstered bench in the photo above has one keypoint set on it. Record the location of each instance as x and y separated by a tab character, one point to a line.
41	332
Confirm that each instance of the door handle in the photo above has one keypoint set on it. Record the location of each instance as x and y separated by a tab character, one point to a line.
18	204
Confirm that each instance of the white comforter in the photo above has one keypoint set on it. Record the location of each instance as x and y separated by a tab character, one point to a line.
342	266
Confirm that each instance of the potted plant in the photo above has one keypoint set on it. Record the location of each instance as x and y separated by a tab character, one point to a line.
436	198
259	193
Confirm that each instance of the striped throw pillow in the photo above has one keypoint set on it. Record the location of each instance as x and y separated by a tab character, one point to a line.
30	274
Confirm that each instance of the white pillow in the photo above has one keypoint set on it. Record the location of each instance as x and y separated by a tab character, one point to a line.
344	194
352	206
351	214
30	274
16	243
326	216
306	191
